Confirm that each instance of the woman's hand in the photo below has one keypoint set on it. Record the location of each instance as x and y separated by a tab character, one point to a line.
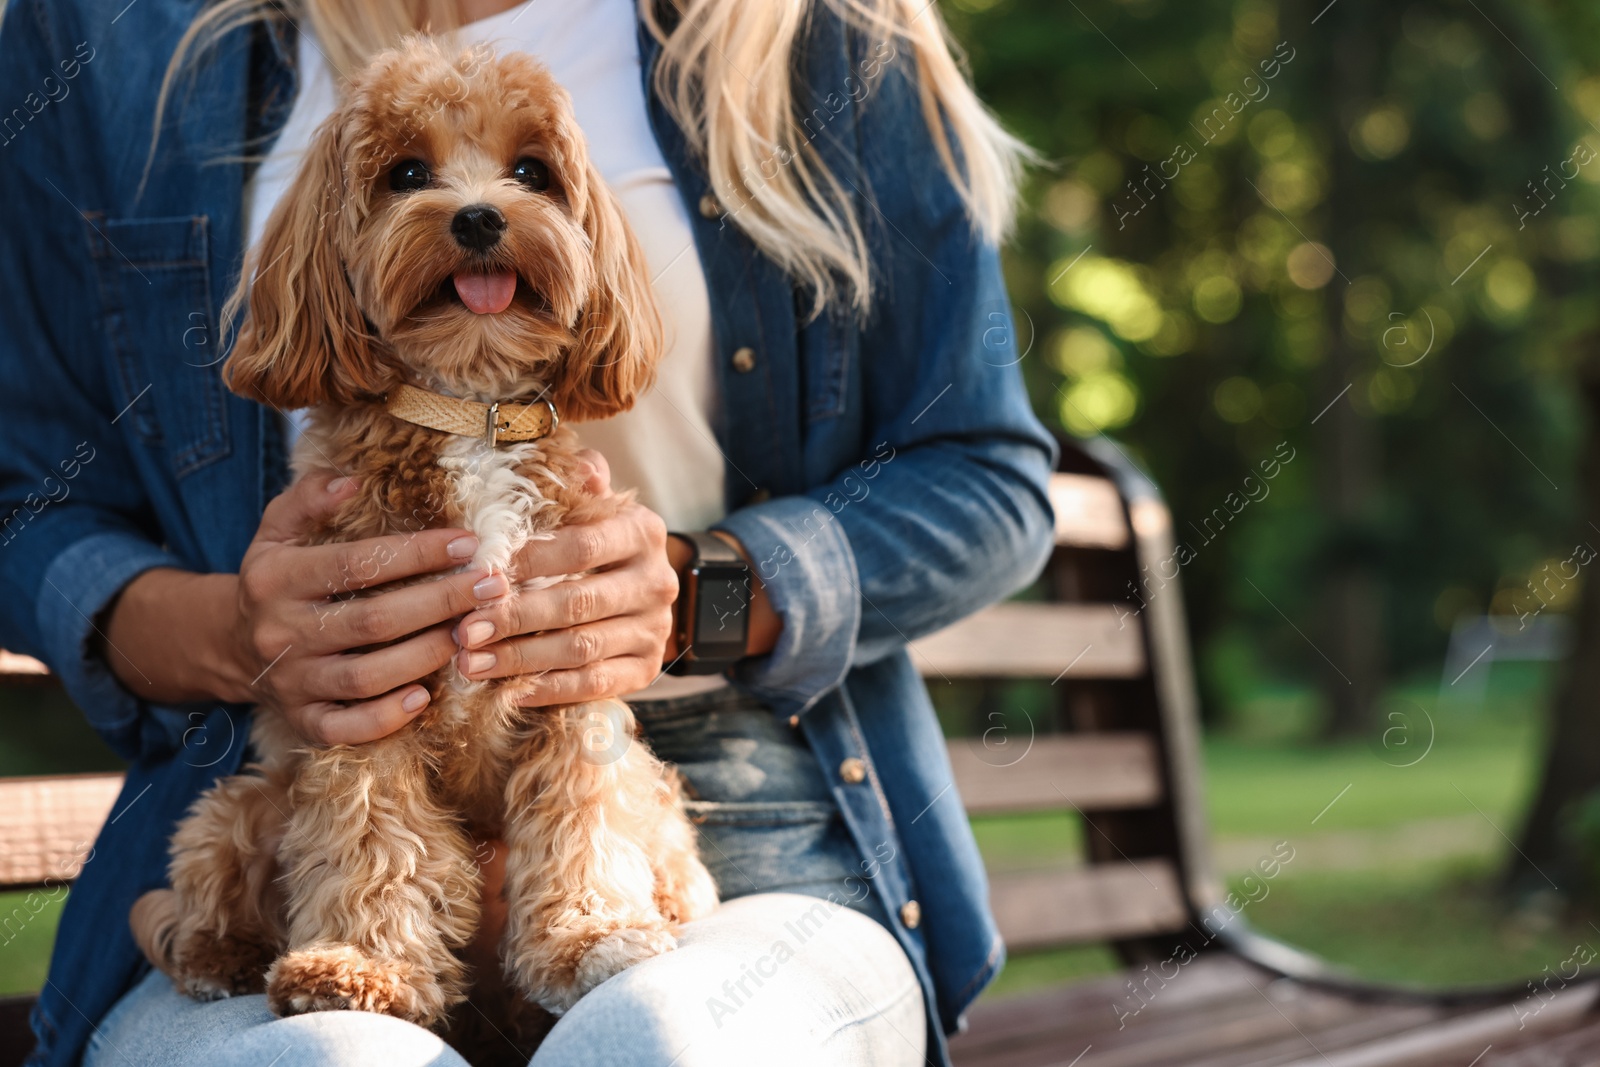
273	635
599	635
296	642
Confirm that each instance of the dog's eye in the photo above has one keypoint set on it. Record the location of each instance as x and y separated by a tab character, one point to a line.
533	173
409	175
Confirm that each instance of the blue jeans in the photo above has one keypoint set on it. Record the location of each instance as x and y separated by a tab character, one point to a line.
776	976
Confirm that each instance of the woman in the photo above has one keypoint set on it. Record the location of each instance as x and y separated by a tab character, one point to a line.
820	196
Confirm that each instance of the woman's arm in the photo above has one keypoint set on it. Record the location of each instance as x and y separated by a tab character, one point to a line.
75	523
270	635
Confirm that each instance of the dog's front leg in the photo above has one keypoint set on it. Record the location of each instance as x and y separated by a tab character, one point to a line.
580	888
381	885
227	905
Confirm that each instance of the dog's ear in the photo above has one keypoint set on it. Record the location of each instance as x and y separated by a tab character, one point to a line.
619	330
304	340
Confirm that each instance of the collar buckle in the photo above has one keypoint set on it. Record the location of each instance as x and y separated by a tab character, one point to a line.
492	428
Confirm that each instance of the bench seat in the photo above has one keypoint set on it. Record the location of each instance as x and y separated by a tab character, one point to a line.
1220	1011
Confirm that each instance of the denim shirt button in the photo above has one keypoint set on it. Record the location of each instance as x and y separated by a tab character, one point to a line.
709	208
744	360
760	496
911	914
794	722
853	771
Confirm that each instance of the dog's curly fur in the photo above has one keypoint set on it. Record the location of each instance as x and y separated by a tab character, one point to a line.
344	876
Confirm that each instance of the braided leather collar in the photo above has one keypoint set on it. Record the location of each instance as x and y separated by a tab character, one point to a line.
500	421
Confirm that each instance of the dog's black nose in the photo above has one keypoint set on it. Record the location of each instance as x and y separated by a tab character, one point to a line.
478	227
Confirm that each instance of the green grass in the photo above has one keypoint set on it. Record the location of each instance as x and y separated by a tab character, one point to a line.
1020	842
1280	790
1422	761
1437	924
27	930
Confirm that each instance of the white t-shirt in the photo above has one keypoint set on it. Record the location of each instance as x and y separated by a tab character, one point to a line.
664	447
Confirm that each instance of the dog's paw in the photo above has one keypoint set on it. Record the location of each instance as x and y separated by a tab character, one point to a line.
205	989
612	955
685	891
207	967
332	977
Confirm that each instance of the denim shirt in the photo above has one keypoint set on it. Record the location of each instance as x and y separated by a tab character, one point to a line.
886	474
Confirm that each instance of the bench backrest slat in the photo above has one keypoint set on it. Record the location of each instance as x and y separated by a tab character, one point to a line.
48	825
1106	901
1028	640
1088	512
1090	772
14	667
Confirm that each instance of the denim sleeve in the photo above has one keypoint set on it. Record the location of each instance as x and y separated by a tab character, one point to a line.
948	509
75	525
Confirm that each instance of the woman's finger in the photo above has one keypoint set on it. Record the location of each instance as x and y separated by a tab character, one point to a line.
625	591
562	649
365	675
293	514
397	613
326	723
599	480
333	570
612	677
590	546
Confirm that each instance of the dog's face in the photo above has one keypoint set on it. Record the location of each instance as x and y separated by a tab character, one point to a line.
447	229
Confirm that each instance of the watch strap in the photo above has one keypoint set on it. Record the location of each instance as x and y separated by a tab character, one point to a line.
699	654
709	547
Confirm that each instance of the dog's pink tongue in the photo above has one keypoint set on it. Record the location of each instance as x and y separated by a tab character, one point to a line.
486	294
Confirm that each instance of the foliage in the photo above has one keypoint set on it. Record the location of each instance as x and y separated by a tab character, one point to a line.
1201	274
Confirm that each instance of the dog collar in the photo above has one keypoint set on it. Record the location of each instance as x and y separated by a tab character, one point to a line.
496	422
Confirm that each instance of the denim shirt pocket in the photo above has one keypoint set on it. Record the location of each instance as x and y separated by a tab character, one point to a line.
154	277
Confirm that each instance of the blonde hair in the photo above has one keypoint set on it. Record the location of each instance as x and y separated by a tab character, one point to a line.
725	77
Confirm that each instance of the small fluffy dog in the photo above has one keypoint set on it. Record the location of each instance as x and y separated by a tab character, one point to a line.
446	274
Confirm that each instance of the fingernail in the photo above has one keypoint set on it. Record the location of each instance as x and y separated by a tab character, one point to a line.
478	662
479	631
492	586
455	634
339	485
415	700
462	547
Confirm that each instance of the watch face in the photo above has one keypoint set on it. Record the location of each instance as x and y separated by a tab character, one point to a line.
722	609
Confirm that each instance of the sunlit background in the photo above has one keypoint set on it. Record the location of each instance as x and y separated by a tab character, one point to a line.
1362	235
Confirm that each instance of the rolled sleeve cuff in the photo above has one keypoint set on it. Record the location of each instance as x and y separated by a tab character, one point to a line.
804	561
78	585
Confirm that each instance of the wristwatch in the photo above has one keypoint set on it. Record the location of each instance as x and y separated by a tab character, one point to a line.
713	613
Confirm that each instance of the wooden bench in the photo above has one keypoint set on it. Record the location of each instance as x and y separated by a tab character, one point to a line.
1116	744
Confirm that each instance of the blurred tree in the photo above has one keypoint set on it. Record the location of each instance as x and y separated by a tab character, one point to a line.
1318	267
1560	846
1559	849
